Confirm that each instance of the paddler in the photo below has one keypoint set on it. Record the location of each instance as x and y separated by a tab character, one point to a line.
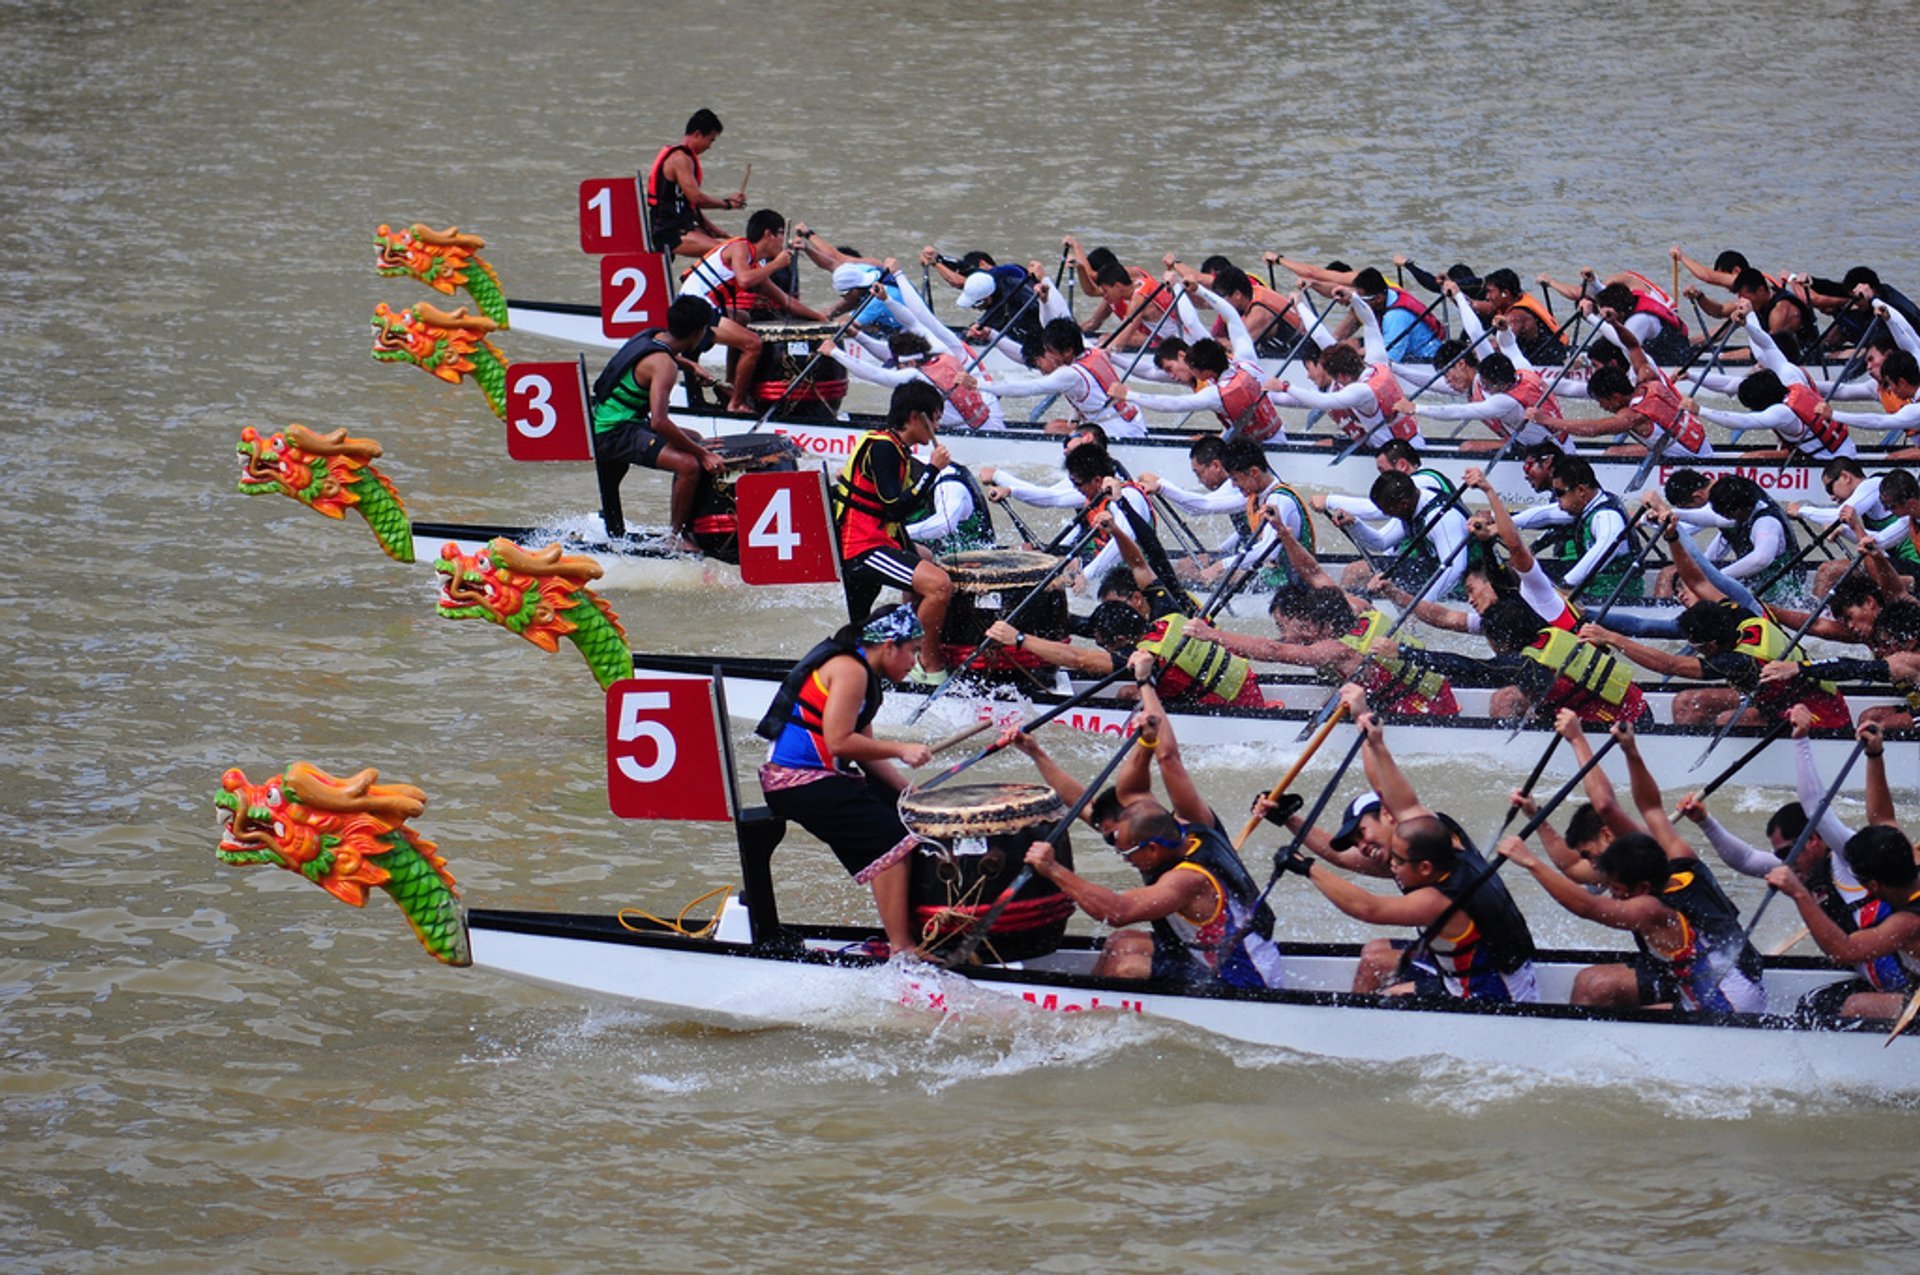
676	204
878	490
736	279
1589	529
1197	894
827	771
1645	406
1084	378
1693	953
1779	396
631	424
1361	389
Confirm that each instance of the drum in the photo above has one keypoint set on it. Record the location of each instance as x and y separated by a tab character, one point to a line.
987	585
976	839
786	349
715	527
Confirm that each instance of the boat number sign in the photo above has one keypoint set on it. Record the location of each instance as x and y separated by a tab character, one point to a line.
633	294
610	216
547	412
786	532
664	754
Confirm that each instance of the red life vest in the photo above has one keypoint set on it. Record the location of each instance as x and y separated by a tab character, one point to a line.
1245	410
722	286
944	371
1386	390
676	199
1094	510
856	498
1143	287
1098	368
1806	403
1647	303
1402	301
1892	400
1530	391
1659	403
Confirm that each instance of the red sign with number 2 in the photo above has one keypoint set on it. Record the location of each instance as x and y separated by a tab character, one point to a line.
665	758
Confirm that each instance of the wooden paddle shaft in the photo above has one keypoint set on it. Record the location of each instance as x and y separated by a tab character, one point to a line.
960	737
1293	771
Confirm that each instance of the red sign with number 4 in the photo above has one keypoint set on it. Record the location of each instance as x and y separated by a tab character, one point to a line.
666	755
547	412
786	531
633	294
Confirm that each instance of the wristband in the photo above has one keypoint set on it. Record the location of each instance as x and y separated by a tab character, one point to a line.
1149	747
1019	640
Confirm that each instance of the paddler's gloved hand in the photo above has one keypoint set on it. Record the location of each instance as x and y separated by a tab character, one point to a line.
1294	861
1277	813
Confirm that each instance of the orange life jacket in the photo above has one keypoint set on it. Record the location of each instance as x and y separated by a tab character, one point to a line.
1245	410
1806	403
1098	368
1527	302
944	371
1386	390
1659	403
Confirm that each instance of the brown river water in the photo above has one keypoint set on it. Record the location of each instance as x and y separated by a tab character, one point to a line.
211	1068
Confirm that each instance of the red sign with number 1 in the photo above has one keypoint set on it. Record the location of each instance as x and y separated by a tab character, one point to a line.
547	412
610	216
665	753
786	529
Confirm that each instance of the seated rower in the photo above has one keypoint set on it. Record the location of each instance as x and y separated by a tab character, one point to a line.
1272	320
1894	642
1509	402
1197	895
1756	537
736	279
1693	953
1128	294
1091	471
1884	941
1014	307
1589	537
1152	619
631	423
1640	304
1358	391
1779	396
1063	492
1848	483
1419	520
1227	378
828	772
1644	405
968	405
1532	326
1271	508
1218	495
1085	378
1820	867
1899	376
878	490
1483	951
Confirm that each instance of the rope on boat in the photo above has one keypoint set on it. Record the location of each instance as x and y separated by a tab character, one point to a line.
678	924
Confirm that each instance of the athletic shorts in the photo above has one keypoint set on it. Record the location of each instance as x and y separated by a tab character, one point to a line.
857	817
1516	988
629	443
892	567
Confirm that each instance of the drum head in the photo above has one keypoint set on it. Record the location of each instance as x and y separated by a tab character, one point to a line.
990	570
981	810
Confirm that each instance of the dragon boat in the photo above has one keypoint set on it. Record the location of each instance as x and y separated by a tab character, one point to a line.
748	966
1295	701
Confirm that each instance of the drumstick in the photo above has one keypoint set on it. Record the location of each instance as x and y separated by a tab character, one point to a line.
960	737
743	180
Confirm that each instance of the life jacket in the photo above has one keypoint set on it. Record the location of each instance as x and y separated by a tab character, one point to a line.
1891	400
1368	423
975	530
943	371
1710	928
1526	302
1015	309
1763	641
1402	300
1586	674
1652	299
1739	537
796	720
1660	404
1141	530
1489	930
1255	960
1394	685
617	396
1806	402
1144	286
1097	376
1909	965
1806	328
711	277
1245	410
864	522
668	212
1530	391
1193	669
1259	511
1579	536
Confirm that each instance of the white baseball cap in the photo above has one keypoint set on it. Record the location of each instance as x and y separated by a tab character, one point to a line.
854	275
977	291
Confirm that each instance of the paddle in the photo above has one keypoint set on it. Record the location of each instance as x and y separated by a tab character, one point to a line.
1026	728
986	647
1713	347
1293	772
959	737
1774	732
1901	1023
1747	698
1179	523
794	383
1425	940
1800	842
977	932
1526	789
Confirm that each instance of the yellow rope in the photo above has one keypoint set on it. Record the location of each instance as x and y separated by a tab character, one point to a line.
678	924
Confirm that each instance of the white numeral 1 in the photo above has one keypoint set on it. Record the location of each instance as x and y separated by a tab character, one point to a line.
602	203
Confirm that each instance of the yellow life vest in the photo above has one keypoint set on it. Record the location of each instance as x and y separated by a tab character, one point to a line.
1371	625
1765	641
1210	668
1593	669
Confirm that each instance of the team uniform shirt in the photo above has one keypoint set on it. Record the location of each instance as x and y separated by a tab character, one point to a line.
1278	502
893	377
1604	524
1364	409
1085	384
953	506
1881	523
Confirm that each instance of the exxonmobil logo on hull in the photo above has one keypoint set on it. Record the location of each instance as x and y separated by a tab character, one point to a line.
918	995
834	443
1097	723
1794	478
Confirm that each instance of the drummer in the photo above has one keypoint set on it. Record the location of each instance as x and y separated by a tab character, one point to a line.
827	771
1197	896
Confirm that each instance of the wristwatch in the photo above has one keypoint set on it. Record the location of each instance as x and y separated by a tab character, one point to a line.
1019	640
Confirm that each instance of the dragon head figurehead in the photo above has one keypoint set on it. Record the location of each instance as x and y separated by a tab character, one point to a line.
449	344
346	836
331	473
542	595
444	260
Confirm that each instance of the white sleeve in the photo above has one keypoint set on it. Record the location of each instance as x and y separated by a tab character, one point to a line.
1240	340
1747	860
1448	534
1492	407
1768	355
912	311
1060	495
1643	326
1207	399
1534	517
1474	330
1359	506
1832	831
1903	334
1226	500
1537	591
1058	381
1703	516
1727	383
952	503
1907	418
1353	397
1376	343
1052	305
1766	547
1607	526
1779	418
873	373
1191	329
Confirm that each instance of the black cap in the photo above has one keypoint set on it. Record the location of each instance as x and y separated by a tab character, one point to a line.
1365	803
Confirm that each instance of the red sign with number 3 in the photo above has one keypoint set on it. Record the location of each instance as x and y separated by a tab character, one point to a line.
547	412
633	294
666	756
786	531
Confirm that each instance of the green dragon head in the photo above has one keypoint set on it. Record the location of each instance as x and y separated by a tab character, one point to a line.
444	260
542	595
329	473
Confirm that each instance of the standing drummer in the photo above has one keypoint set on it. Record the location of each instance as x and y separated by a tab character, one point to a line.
1207	921
828	773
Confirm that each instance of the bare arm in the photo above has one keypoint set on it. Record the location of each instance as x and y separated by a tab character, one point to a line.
1168	895
1422	907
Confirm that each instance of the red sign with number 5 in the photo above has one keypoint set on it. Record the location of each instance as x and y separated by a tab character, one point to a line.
547	412
633	294
786	531
666	754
